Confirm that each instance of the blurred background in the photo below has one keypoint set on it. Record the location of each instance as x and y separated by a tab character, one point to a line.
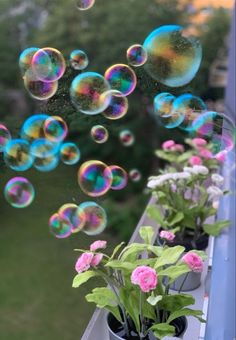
36	298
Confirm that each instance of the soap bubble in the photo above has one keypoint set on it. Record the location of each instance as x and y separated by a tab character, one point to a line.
25	59
55	129
99	134
5	136
33	127
189	106
17	155
94	178
43	148
89	93
121	78
118	106
58	227
136	55
163	104
46	164
19	192
69	153
173	58
96	218
135	175
83	5
38	89
74	215
127	137
78	60
119	177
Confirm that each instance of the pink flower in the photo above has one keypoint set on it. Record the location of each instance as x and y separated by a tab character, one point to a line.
98	245
205	153
96	260
195	160
167	235
168	144
194	262
179	148
221	156
84	262
199	142
145	277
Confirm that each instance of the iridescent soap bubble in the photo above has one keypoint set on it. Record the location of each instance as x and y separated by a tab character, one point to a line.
58	227
48	64
33	127
119	177
89	93
96	218
218	129
127	137
38	89
79	60
43	148
46	164
136	55
94	178
5	136
25	59
74	215
121	78
69	153
55	129
83	5
19	192
118	106
173	58
17	155
135	175
99	134
190	106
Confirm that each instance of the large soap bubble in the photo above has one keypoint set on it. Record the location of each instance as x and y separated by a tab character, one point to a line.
96	218
25	59
17	155
33	127
55	129
58	227
46	164
19	192
121	78
38	89
173	58
74	215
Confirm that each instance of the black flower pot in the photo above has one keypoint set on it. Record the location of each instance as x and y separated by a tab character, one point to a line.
117	332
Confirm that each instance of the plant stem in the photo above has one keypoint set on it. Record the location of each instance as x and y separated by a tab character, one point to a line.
141	315
183	282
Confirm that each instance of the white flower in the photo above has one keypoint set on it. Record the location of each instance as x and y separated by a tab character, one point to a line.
189	169
215	204
217	179
214	193
181	175
200	169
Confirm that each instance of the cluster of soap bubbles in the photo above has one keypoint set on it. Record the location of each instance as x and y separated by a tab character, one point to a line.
41	68
88	217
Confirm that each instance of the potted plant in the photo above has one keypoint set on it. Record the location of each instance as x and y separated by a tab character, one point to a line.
138	302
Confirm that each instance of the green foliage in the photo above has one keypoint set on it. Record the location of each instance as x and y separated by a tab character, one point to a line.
215	229
147	234
82	278
163	329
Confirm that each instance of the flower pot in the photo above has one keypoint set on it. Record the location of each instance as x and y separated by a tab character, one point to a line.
193	281
117	332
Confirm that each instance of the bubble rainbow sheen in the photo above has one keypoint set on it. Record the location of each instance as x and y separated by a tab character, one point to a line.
78	60
74	215
136	55
135	175
84	5
96	218
89	93
55	129
46	164
173	58
119	177
25	59
118	106
38	89
48	64
190	106
69	153
99	134
58	227
94	178
17	155
42	148
5	136
122	78
127	137
19	192
33	127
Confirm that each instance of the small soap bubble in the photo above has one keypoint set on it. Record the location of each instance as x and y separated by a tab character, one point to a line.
99	134
96	218
5	136
19	192
74	215
135	175
122	78
55	129
78	60
136	55
127	137
33	127
84	5
58	227
69	153
118	106
119	177
17	155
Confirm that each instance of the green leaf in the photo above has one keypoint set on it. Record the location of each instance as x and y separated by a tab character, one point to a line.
173	272
117	248
175	302
169	256
184	157
153	300
166	156
122	265
163	329
81	278
155	214
186	312
176	218
215	228
146	233
130	300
